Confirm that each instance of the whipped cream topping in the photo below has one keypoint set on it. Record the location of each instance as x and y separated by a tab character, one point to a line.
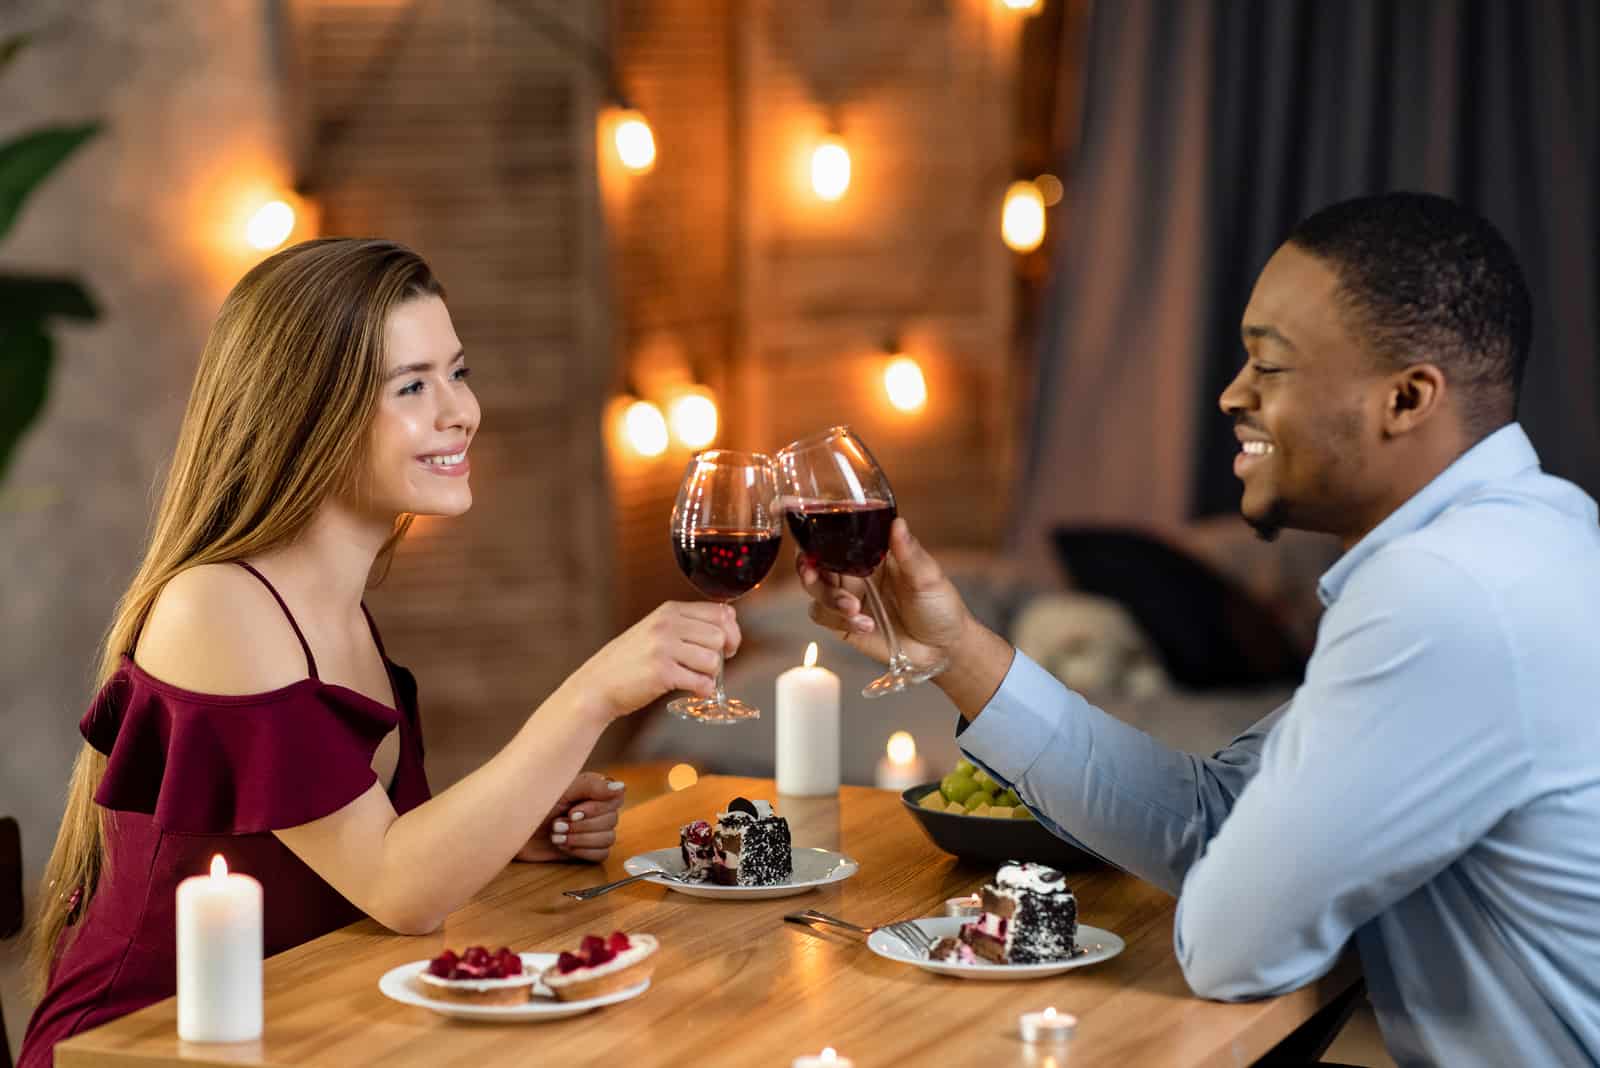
525	979
1033	877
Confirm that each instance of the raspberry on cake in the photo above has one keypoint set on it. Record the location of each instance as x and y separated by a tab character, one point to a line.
602	966
752	846
1029	917
478	977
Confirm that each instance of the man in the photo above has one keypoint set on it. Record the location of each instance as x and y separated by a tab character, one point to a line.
1432	790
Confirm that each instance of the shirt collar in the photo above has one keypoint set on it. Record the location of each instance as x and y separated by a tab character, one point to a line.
1502	454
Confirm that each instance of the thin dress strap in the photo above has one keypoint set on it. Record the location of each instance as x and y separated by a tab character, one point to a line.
377	638
311	661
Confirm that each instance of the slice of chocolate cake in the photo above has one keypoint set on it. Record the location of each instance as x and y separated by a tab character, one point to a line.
698	849
752	846
1029	917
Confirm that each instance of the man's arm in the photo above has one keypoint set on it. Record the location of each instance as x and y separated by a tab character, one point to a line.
1405	746
1103	785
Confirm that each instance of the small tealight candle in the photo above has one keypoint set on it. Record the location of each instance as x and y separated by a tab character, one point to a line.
964	907
1048	1026
828	1058
219	956
900	767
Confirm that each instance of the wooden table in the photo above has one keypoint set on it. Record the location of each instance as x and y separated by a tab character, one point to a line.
735	985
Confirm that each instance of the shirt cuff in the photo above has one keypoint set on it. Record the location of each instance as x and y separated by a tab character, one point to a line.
1016	726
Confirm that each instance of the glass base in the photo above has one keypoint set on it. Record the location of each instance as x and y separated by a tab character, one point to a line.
901	677
707	710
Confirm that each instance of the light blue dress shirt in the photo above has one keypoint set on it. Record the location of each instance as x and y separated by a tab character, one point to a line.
1432	790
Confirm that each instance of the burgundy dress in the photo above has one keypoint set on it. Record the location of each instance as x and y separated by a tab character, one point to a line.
191	775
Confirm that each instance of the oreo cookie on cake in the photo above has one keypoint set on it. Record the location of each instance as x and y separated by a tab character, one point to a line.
751	845
1029	917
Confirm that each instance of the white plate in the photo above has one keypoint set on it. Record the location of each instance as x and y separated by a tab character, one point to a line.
1094	944
812	868
401	985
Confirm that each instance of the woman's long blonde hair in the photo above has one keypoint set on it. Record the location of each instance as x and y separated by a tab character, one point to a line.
277	422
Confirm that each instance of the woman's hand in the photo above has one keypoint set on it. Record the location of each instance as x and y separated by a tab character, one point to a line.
927	613
679	646
583	824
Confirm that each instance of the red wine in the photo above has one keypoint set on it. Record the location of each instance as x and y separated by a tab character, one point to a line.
725	564
848	538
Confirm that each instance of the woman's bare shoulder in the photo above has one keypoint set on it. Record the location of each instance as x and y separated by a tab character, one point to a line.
216	629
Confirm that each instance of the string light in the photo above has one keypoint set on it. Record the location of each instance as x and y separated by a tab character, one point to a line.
644	428
830	168
903	382
692	415
1022	219
634	140
270	225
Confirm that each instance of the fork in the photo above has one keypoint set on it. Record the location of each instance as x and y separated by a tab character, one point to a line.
590	892
913	937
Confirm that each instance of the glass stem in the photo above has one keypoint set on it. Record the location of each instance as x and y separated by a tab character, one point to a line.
897	659
722	698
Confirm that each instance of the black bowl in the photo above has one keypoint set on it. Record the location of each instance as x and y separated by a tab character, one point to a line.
984	840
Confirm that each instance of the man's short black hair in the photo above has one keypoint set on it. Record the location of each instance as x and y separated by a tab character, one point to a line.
1424	279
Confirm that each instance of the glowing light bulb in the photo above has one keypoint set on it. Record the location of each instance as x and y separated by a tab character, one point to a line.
636	143
904	383
1022	219
830	169
270	226
902	748
645	429
693	418
1029	7
682	776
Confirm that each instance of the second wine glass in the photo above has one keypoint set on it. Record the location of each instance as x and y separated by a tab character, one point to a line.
840	509
726	531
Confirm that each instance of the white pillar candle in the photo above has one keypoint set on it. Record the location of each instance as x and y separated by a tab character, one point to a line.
900	767
808	729
828	1058
1047	1027
219	957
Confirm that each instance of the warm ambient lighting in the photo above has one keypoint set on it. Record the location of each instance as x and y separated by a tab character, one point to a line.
902	748
1022	220
635	142
693	418
1027	7
219	867
1050	188
830	169
811	655
903	381
682	776
270	225
644	428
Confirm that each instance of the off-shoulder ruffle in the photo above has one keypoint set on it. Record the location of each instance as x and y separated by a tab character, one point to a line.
214	764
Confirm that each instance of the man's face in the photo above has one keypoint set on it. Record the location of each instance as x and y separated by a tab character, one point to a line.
1305	405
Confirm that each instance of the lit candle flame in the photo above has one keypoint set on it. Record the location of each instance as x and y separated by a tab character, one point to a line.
828	1053
219	867
902	748
811	655
1049	1013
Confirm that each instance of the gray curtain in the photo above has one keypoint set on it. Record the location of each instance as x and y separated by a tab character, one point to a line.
1209	127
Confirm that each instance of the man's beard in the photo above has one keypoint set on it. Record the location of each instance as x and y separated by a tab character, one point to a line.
1270	525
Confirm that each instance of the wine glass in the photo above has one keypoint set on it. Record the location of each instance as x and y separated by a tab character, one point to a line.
726	531
840	509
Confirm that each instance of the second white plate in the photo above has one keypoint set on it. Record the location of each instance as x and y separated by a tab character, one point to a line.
401	985
1094	944
812	868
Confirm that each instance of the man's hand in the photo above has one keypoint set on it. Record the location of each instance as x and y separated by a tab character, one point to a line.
583	824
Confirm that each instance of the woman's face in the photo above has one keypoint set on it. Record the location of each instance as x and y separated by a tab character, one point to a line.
426	416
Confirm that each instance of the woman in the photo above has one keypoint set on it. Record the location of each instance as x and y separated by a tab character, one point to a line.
246	706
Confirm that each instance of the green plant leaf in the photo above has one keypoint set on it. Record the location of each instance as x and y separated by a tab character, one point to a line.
25	359
32	299
29	159
10	46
